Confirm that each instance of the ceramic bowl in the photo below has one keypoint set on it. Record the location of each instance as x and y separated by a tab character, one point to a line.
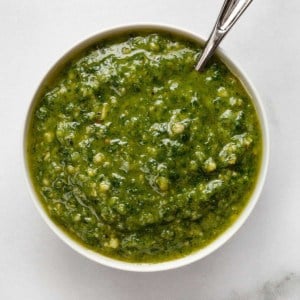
225	236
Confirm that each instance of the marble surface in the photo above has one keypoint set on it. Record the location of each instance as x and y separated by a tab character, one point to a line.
262	261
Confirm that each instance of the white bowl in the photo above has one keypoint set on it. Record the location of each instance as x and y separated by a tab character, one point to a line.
226	235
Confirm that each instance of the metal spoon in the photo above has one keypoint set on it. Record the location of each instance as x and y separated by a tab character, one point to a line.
229	14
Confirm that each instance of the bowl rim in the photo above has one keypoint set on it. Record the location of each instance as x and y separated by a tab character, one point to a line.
223	237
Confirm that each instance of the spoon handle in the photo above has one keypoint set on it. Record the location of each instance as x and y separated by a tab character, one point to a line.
229	14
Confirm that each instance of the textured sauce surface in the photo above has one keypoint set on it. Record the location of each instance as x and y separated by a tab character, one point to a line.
139	157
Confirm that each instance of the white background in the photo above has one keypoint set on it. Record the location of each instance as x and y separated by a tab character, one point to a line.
262	261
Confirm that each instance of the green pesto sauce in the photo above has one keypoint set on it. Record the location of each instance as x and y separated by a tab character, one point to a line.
138	156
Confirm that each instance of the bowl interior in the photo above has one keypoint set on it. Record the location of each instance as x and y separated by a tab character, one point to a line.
147	267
